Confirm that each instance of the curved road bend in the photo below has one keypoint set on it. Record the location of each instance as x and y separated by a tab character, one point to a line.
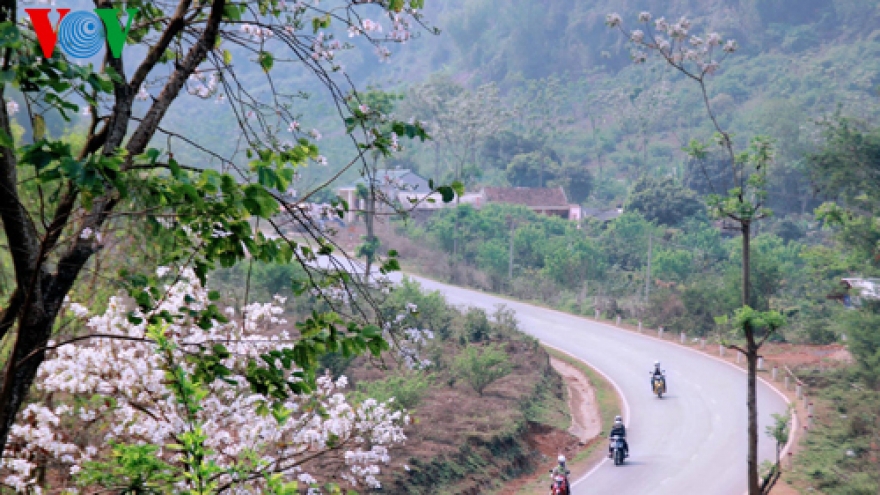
691	442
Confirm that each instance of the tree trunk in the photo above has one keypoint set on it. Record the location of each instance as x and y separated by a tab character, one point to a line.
39	294
746	242
752	402
752	365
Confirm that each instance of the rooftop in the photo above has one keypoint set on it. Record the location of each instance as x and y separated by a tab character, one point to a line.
533	197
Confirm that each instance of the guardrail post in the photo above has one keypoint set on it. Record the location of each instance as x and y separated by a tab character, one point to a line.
799	391
597	314
618	320
640	326
703	344
720	350
738	357
787	383
810	408
683	337
775	373
760	364
660	332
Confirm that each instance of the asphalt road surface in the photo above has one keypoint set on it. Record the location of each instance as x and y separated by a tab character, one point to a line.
690	442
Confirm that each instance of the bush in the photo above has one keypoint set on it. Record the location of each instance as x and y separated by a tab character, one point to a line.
482	366
407	388
864	340
476	326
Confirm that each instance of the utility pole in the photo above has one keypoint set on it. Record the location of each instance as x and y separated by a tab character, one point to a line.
510	252
648	276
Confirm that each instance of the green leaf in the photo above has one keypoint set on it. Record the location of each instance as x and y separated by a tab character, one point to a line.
9	35
447	193
458	187
227	57
6	140
232	12
39	127
266	61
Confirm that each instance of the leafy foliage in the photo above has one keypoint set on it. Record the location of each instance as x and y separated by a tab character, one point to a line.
663	201
481	366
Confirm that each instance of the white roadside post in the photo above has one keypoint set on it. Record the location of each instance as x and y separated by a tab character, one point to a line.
683	337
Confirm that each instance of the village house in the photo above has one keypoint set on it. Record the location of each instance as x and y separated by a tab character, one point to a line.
551	201
389	183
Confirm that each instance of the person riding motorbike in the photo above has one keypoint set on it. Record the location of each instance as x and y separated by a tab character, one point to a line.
561	470
618	430
658	373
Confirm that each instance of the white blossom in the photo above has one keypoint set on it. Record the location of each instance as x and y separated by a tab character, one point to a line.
713	39
83	378
730	46
370	26
661	24
613	19
645	17
637	36
11	107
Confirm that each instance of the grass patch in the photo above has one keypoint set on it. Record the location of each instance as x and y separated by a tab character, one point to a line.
840	451
550	405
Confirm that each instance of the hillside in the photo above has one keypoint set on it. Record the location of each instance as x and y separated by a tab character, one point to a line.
572	94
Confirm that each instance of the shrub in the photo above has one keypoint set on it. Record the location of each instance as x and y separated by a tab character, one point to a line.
482	366
407	389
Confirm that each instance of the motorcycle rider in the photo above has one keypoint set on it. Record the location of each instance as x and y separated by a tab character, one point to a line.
658	372
561	470
618	430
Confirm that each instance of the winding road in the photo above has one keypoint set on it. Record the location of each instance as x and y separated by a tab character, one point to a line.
691	442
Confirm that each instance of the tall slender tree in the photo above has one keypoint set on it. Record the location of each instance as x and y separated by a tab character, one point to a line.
742	203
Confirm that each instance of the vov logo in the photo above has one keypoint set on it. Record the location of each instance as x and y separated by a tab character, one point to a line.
81	34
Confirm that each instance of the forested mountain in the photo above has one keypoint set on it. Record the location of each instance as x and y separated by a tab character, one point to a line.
572	89
568	99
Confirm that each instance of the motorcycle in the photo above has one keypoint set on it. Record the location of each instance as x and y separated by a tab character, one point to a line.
617	452
659	386
559	485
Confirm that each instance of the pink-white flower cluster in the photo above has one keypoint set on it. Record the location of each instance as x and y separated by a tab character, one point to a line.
675	43
324	47
257	33
203	85
11	107
115	389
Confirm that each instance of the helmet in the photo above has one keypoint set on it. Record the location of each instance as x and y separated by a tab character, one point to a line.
561	459
656	364
618	420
